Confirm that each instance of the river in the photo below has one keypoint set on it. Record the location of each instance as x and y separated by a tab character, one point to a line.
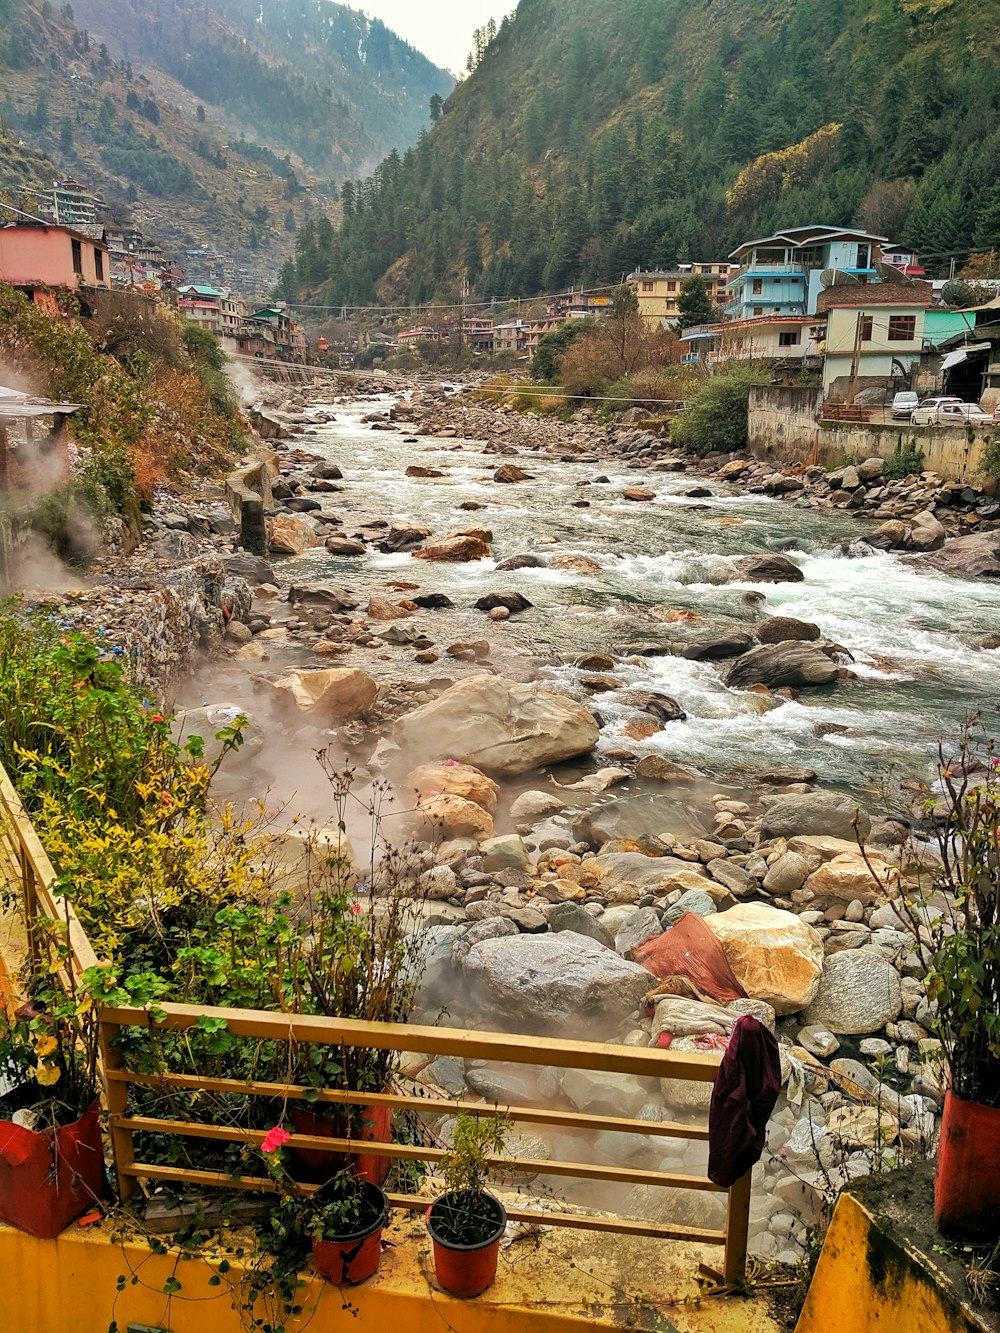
913	635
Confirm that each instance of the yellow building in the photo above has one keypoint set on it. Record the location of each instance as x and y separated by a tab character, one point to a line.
657	290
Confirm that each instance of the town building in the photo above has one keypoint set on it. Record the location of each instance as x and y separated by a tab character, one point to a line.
658	290
791	341
903	258
874	336
271	333
511	337
784	274
35	257
477	334
202	305
67	204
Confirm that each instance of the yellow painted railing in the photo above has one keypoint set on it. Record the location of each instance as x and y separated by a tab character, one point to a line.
23	860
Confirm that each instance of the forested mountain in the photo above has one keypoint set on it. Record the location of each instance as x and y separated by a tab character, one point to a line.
592	138
336	87
223	124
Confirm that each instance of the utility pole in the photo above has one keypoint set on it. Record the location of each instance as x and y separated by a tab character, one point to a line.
855	358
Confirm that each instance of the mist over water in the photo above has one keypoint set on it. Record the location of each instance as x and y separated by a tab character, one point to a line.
914	636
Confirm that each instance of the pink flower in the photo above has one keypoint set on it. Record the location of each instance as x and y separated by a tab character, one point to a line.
451	763
157	717
274	1139
356	908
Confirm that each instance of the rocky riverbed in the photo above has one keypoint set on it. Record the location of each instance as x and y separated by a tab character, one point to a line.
608	687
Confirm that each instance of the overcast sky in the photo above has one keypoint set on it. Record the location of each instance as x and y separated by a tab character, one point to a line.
442	29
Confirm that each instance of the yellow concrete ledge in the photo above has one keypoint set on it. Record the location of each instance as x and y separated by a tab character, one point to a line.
564	1281
874	1276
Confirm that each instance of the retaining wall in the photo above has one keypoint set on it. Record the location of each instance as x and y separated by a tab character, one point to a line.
786	425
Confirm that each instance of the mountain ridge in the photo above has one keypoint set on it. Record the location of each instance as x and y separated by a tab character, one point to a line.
587	142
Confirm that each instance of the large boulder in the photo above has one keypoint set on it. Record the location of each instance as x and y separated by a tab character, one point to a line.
326	595
557	983
769	569
785	629
455	549
455	780
455	817
288	535
777	664
859	991
975	556
336	694
850	877
502	726
816	812
775	956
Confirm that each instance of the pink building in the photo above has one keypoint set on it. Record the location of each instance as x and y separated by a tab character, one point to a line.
34	257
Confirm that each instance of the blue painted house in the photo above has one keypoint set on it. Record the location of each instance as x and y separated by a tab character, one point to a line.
780	274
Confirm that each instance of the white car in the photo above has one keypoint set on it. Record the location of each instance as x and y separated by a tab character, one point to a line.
903	405
954	413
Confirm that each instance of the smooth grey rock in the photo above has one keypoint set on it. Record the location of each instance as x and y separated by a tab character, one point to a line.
819	813
571	916
597	1093
859	992
562	982
787	873
637	930
694	900
781	664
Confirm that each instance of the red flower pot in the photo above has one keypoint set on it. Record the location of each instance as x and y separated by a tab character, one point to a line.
467	1270
373	1124
354	1256
49	1179
967	1181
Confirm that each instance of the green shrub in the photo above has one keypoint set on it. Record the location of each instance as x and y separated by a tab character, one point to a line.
904	462
552	346
991	456
716	417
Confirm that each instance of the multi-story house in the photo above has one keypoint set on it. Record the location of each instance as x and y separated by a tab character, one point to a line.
202	305
781	274
658	290
477	335
511	337
875	335
35	257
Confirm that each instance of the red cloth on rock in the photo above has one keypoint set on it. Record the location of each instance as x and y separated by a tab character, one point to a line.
689	949
746	1088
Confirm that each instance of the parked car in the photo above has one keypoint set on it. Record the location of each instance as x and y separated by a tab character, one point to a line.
951	414
903	404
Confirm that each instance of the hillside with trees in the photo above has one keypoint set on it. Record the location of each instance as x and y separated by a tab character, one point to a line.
591	139
210	125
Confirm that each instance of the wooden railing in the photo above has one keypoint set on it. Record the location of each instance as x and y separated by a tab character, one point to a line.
23	861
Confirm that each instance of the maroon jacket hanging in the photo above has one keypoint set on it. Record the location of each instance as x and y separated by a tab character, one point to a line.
746	1088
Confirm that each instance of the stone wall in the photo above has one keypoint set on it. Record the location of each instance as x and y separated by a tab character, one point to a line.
785	426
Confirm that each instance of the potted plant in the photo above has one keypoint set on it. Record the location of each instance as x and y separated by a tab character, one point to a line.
342	1222
51	1151
466	1223
956	919
348	1214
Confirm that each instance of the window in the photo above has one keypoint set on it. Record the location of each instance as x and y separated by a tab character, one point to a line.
864	252
671	286
790	338
758	286
865	322
902	328
647	286
98	264
758	309
77	258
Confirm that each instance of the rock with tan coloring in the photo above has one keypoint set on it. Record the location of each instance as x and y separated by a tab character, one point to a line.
775	956
499	725
457	818
451	779
848	877
287	535
454	549
384	608
334	694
